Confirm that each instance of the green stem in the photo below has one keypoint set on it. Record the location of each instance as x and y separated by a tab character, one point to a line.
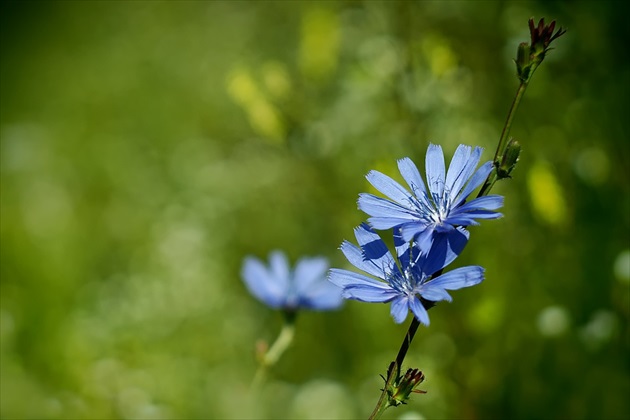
271	357
394	371
383	401
508	122
492	178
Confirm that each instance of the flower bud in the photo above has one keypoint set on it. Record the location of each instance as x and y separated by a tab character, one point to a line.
522	61
403	386
529	56
509	159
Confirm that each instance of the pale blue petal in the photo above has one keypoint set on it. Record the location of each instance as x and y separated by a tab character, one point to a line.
462	167
411	175
354	254
345	278
418	310
424	241
308	272
435	170
380	207
370	294
374	249
477	179
475	214
402	248
384	223
411	230
279	267
389	187
262	284
458	164
400	309
435	294
461	220
321	296
488	202
457	279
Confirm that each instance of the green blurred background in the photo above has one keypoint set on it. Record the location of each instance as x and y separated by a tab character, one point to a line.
147	147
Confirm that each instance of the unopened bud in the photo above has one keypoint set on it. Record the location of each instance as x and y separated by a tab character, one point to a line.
529	56
522	61
509	159
403	386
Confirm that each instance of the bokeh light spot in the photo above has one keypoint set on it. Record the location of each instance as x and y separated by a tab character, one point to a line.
553	321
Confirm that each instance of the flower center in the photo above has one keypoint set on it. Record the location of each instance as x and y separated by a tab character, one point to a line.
407	282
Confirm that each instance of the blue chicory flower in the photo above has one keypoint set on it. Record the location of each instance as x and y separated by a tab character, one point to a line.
282	288
421	213
404	280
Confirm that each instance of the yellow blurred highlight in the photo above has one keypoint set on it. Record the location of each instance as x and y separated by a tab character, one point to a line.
265	120
440	56
319	43
276	79
263	116
546	195
242	88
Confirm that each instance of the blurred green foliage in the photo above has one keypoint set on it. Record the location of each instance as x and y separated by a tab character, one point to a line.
146	147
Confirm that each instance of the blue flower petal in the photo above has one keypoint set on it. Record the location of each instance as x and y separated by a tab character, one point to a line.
380	207
446	247
262	284
435	170
411	175
410	230
345	278
400	308
389	187
355	256
308	271
477	179
476	214
279	267
424	241
373	246
321	296
418	310
435	294
461	220
488	202
402	248
461	168
364	293
457	279
457	166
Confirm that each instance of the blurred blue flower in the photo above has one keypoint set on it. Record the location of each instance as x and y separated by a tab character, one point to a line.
419	213
404	280
279	287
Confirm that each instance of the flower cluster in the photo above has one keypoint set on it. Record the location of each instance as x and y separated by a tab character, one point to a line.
429	232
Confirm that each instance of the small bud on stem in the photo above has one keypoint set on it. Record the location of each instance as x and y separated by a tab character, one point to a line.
529	56
509	159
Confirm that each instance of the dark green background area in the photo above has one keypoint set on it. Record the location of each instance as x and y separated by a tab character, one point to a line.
147	147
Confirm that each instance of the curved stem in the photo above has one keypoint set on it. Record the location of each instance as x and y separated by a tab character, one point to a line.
383	402
508	122
282	343
492	178
394	368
